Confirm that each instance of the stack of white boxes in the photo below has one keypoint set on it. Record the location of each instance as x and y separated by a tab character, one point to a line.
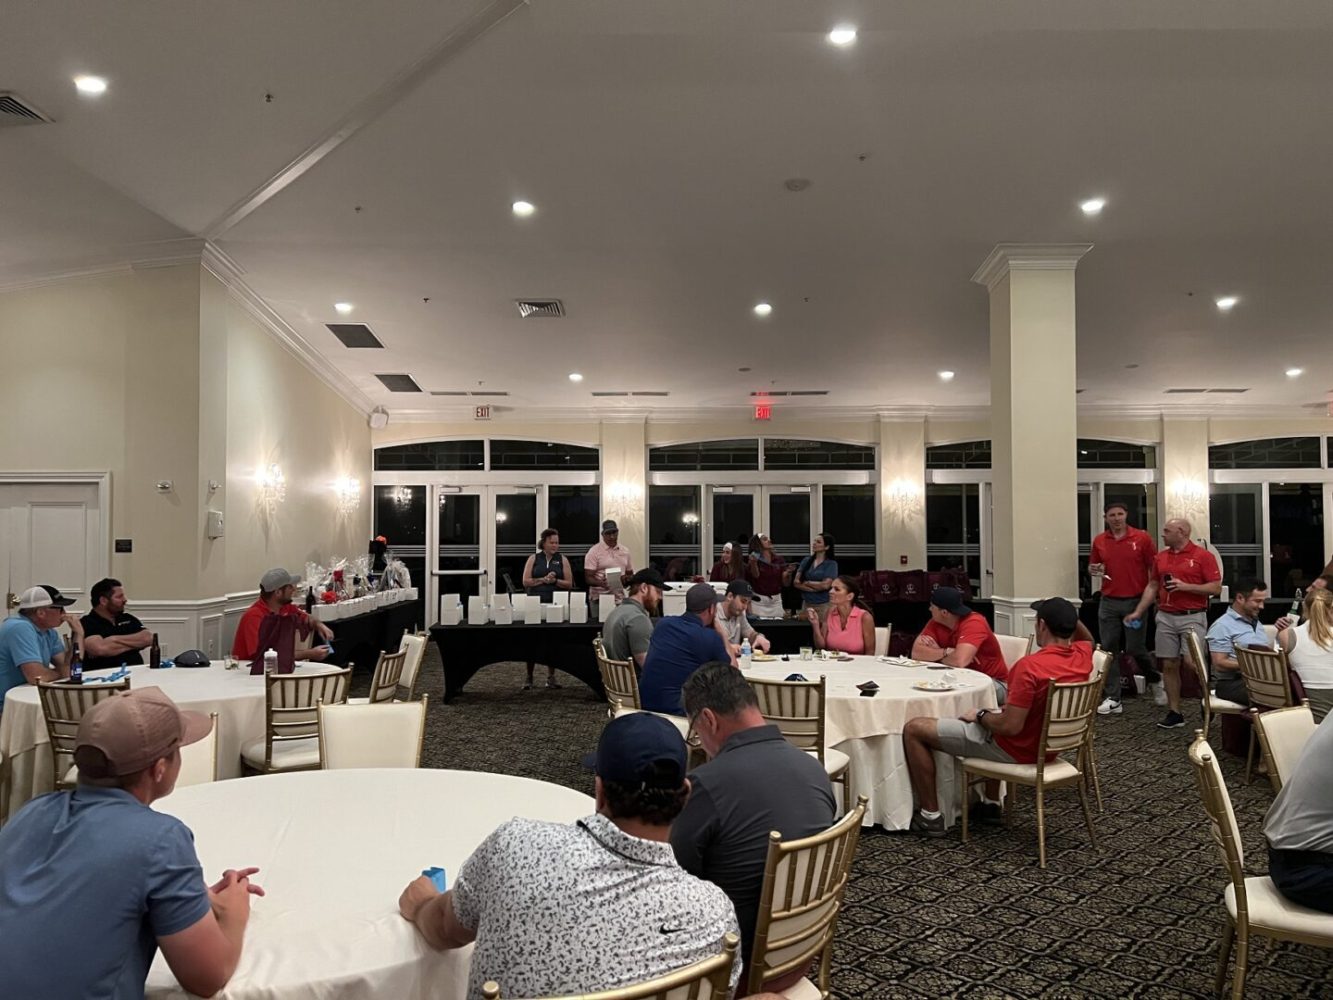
451	609
477	612
578	607
502	612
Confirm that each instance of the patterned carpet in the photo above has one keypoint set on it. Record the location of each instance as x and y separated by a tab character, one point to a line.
937	918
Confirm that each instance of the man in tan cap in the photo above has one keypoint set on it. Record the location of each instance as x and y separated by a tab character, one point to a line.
98	875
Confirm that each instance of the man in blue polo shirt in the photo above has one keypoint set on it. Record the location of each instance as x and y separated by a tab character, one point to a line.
680	645
1239	627
31	649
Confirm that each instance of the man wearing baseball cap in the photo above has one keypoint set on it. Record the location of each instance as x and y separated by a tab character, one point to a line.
558	909
31	649
93	882
277	589
732	620
629	628
1011	734
606	554
957	636
681	644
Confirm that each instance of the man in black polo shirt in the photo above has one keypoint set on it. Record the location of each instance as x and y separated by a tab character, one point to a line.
754	782
112	636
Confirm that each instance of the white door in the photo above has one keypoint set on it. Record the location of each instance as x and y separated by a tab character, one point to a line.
52	533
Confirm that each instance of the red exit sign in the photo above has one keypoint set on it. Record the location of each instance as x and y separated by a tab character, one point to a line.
763	411
482	413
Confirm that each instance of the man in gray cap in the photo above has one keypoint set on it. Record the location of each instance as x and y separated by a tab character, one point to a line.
681	644
93	882
277	588
606	554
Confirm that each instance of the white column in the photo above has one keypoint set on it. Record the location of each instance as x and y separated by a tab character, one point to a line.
1034	428
902	494
1185	472
625	483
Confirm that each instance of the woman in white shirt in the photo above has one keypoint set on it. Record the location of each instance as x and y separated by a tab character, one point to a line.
1309	647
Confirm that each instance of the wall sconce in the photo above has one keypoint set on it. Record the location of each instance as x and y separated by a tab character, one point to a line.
1188	498
347	495
501	517
903	498
689	520
623	500
272	487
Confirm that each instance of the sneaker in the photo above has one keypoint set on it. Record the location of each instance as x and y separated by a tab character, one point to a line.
1173	720
1158	694
1110	706
986	812
929	827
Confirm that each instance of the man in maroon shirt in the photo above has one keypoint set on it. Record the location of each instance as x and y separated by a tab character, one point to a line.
276	591
1184	576
1122	556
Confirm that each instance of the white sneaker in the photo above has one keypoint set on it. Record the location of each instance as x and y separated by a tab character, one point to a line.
1110	707
1158	693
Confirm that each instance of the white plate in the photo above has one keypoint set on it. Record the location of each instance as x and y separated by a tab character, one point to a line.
936	686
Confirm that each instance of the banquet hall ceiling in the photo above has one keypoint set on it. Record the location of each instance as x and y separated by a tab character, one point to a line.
655	139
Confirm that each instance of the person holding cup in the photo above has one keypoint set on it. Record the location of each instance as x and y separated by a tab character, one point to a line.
849	627
1122	558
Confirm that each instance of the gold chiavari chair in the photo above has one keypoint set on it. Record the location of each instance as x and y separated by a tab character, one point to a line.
1101	659
709	979
1283	733
1014	648
803	886
797	709
291	720
621	684
414	645
1254	905
1268	684
199	760
63	706
384	682
369	735
1070	709
1209	702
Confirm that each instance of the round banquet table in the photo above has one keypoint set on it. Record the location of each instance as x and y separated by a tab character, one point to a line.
869	730
236	695
334	851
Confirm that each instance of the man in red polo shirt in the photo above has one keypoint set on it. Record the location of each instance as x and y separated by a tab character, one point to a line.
957	636
1122	556
1184	576
276	591
1010	735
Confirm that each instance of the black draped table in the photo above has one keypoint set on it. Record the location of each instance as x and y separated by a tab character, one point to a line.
360	639
465	649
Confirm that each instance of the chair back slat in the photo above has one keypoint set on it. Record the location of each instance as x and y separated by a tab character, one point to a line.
803	886
388	675
63	706
618	679
1069	713
1283	733
1221	816
796	708
1266	678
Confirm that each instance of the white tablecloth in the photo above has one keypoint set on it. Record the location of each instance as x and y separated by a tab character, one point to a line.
335	849
869	730
235	695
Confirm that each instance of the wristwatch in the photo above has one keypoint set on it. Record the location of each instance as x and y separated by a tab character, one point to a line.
981	714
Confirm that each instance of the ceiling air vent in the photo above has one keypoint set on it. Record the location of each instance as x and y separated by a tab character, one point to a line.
532	308
771	392
14	110
610	393
354	334
1186	390
809	392
649	392
399	383
1232	391
488	394
449	392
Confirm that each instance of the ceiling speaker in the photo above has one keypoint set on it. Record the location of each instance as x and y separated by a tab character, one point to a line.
379	418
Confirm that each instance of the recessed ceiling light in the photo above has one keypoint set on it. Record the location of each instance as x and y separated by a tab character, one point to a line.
1294	372
763	309
90	85
343	307
946	376
1093	206
575	377
524	208
1226	302
843	34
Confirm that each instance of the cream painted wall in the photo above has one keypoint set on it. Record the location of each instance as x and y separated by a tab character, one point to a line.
1185	471
902	492
1221	431
278	412
625	484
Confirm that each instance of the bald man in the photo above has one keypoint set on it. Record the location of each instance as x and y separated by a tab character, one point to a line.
1184	577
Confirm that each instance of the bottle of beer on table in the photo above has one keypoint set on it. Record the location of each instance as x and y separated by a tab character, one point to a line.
155	654
75	663
309	599
1295	611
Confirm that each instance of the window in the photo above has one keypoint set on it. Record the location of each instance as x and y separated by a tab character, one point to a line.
1296	536
703	456
963	455
520	456
849	514
430	456
789	453
953	528
1235	518
400	514
673	531
574	511
1095	454
1267	453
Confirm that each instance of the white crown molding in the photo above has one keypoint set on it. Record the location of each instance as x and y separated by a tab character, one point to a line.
453	413
122	260
1008	257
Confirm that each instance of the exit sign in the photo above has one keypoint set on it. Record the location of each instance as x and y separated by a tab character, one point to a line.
482	412
763	411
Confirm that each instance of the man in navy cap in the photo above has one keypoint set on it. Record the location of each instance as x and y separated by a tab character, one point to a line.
599	904
957	636
681	644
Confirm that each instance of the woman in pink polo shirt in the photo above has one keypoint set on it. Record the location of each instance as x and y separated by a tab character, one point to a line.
849	628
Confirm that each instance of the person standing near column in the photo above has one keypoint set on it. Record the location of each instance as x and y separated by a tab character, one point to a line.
1184	576
604	555
1122	556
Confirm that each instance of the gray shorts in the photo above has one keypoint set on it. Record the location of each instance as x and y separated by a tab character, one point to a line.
968	739
1171	630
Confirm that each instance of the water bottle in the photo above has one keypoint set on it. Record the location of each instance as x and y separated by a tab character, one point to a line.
270	661
746	653
1295	611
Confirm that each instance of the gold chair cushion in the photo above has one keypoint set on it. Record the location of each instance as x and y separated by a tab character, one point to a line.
1217	704
803	990
289	754
1272	911
679	721
835	762
1058	771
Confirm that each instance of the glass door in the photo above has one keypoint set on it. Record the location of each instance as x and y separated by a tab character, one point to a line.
787	519
457	540
734	518
674	531
513	515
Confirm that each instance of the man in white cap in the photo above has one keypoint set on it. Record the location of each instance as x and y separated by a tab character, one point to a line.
31	649
606	554
277	589
93	882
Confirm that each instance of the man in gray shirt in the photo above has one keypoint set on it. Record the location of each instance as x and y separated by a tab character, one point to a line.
754	782
627	629
1299	826
732	618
